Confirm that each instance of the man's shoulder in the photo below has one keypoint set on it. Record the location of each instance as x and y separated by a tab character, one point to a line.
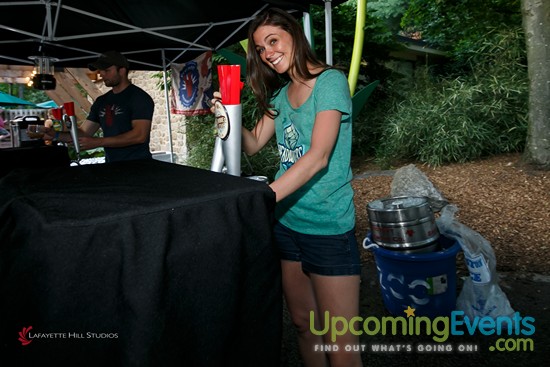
138	91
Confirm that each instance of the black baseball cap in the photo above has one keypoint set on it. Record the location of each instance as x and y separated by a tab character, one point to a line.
108	59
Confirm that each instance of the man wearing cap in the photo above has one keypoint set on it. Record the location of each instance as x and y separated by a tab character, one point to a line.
124	114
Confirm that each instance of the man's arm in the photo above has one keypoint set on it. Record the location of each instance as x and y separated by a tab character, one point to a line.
138	134
87	128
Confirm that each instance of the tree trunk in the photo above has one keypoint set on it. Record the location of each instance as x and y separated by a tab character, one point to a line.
536	24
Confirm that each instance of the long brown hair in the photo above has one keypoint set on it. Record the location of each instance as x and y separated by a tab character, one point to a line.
266	82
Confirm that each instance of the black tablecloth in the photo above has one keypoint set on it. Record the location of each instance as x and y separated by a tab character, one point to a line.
33	157
141	263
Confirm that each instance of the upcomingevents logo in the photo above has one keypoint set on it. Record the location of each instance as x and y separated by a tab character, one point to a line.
515	330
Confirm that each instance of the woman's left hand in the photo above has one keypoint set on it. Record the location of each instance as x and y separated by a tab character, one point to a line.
217	97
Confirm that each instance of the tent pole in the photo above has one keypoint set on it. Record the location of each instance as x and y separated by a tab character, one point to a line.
328	31
307	28
166	98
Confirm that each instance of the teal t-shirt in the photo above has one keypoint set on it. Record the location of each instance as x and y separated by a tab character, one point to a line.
324	205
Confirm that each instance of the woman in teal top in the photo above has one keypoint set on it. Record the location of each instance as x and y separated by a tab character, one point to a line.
307	105
324	204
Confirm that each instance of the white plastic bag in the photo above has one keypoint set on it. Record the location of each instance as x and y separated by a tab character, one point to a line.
481	295
410	181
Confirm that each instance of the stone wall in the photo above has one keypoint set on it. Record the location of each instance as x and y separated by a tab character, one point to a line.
160	136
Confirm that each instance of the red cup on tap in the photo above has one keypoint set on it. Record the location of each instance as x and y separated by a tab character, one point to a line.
69	108
57	113
230	84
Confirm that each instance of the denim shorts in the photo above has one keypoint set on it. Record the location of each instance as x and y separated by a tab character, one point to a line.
319	254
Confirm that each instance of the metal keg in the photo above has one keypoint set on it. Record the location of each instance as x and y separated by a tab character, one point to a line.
404	224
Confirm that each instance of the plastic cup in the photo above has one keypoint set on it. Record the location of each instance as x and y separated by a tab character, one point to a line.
57	113
69	108
230	84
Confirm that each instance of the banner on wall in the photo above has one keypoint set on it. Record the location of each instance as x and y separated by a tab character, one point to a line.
192	86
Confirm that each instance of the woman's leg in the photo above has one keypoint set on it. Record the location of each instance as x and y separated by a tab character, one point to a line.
300	300
339	295
308	291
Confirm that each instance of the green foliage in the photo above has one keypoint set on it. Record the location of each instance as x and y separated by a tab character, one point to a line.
160	80
458	119
390	11
379	37
266	161
28	94
343	31
368	128
455	25
201	136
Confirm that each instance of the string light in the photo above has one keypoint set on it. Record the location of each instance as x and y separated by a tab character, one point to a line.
30	78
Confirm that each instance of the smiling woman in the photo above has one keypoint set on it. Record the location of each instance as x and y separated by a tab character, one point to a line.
306	104
274	45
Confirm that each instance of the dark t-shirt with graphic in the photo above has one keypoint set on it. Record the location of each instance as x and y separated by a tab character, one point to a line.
115	113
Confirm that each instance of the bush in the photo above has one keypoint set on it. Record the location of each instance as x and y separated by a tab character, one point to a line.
444	120
368	127
200	134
